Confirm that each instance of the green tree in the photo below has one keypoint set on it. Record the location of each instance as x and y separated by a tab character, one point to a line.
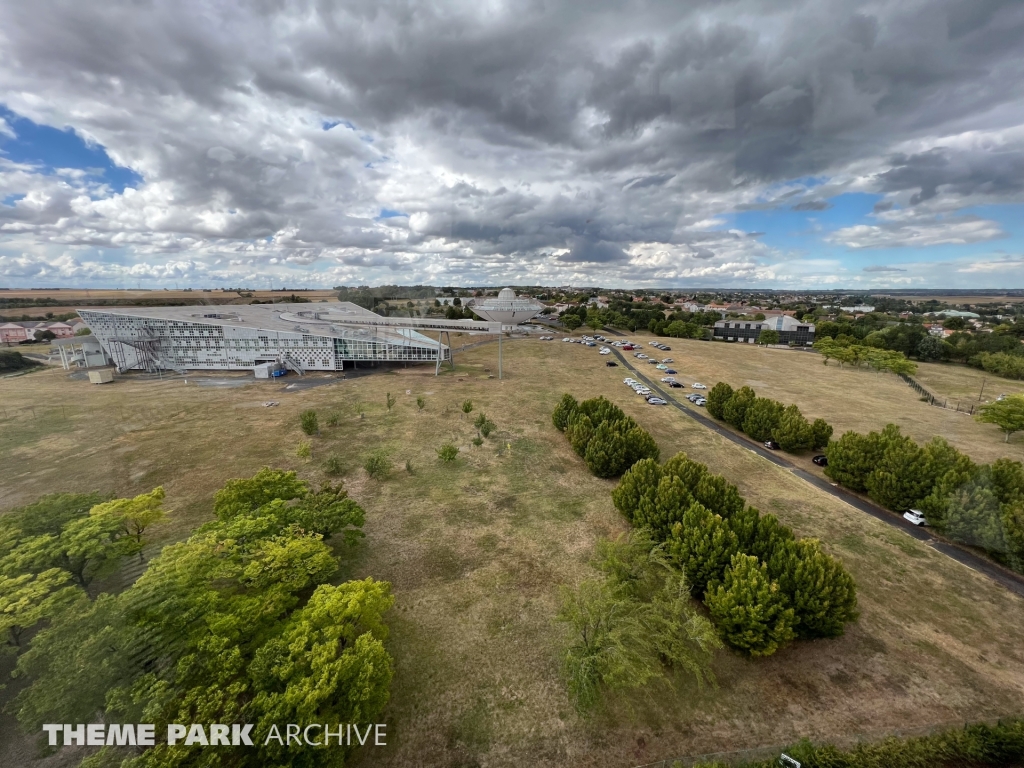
309	423
242	496
606	451
749	609
571	322
903	473
930	348
29	598
768	336
761	418
83	332
717	398
579	432
735	410
327	512
852	458
467	406
637	488
701	545
639	445
1007	414
820	591
565	408
821	433
793	433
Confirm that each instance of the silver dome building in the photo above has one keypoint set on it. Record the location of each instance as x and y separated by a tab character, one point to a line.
507	308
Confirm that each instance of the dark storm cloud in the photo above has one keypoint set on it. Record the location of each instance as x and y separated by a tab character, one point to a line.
504	134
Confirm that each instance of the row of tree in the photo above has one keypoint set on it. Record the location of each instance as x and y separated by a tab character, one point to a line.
977	504
762	586
765	419
1000	363
859	355
608	440
240	623
11	361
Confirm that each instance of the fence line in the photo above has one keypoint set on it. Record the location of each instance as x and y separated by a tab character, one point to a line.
932	399
843	742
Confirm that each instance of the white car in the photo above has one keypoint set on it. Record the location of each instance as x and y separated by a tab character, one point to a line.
697	385
656	401
566	339
653	343
641	356
667	379
668	360
915	516
662	367
605	352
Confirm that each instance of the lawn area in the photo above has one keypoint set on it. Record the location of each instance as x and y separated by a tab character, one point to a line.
476	550
848	398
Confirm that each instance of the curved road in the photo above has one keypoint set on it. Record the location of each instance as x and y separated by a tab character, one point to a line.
1008	579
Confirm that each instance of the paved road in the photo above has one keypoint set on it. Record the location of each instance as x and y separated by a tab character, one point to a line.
1008	579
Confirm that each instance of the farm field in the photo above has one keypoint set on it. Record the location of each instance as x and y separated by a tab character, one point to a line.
476	551
848	398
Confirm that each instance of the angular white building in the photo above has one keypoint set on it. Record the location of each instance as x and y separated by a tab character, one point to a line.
317	337
507	308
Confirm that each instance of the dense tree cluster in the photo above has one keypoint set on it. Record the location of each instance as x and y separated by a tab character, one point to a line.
661	319
11	360
764	419
859	355
978	504
240	623
608	440
762	586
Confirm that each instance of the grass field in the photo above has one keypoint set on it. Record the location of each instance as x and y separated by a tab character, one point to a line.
476	551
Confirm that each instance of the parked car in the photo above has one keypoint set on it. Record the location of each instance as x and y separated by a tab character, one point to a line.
692	397
669	370
698	385
653	343
605	352
701	401
667	379
656	401
666	348
668	360
661	366
771	444
612	364
675	385
915	516
821	460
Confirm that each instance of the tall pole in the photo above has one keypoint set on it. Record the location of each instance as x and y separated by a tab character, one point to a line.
499	352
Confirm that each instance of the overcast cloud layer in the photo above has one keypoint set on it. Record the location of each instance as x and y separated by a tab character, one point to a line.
320	143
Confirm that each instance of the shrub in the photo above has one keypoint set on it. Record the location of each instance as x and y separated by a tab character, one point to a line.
309	423
735	410
304	450
479	420
467	406
749	609
421	402
390	400
487	427
478	441
408	466
333	419
717	398
332	466
448	453
378	464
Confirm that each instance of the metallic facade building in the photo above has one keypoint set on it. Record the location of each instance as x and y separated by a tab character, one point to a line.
312	337
507	309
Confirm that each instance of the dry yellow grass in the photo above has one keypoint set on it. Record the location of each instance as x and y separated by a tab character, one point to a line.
476	551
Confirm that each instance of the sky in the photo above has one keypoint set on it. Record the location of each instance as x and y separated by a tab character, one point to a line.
725	143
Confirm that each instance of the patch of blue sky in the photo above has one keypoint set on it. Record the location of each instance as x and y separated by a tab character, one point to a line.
389	213
51	148
328	124
11	200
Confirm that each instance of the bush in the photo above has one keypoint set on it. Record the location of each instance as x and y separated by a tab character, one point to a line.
565	408
487	427
378	464
600	433
332	466
11	360
820	591
749	609
448	453
333	419
390	401
717	398
467	406
478	441
304	450
309	422
421	402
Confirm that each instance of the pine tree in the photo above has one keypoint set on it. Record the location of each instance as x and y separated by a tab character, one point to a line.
565	408
1007	480
638	484
973	514
717	398
639	445
762	417
687	470
822	433
735	410
607	451
579	431
903	474
718	495
769	536
702	545
793	432
749	609
820	591
670	501
852	458
744	524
